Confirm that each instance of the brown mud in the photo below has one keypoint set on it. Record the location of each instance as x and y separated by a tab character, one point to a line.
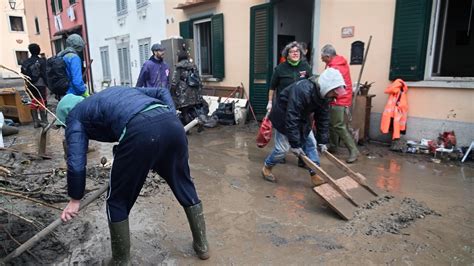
425	217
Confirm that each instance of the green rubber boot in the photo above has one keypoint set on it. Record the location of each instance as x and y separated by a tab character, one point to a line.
44	118
198	228
120	242
36	120
352	147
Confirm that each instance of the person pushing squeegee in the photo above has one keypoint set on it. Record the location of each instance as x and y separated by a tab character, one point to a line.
150	137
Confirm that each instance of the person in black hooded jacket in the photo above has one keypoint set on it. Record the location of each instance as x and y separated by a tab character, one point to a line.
290	117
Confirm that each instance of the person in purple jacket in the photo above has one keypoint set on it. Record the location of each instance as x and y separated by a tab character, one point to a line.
155	72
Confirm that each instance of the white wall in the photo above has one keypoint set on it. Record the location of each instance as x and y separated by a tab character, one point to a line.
104	30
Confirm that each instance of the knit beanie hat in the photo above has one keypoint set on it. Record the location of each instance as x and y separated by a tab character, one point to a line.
329	80
67	103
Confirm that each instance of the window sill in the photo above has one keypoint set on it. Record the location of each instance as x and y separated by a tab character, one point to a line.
122	14
210	79
441	84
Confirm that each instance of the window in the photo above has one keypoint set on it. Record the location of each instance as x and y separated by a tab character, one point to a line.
57	6
16	23
21	56
202	37
58	45
143	50
37	26
452	47
142	3
121	7
208	35
104	58
433	40
124	64
71	2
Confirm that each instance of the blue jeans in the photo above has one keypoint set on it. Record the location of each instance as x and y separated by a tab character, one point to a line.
282	146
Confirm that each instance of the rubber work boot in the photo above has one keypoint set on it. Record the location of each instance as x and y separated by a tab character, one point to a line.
44	118
267	174
198	229
36	121
120	242
351	146
353	154
317	180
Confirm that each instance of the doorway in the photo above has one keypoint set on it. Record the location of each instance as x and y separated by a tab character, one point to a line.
292	22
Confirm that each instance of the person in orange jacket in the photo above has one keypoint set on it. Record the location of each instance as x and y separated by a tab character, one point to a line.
395	113
338	127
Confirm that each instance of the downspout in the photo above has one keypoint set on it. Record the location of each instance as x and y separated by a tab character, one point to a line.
49	28
91	84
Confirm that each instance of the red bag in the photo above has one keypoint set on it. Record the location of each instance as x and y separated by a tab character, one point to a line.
264	133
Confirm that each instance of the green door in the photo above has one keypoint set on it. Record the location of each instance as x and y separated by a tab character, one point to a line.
261	56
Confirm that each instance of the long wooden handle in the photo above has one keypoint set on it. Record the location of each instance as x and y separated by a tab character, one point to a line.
349	171
47	230
328	179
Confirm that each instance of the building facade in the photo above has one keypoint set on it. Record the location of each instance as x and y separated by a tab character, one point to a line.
121	43
36	16
14	32
430	51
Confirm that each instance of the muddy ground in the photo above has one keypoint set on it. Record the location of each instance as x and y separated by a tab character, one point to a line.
425	218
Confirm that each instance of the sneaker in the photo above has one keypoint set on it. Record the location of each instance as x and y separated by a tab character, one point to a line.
267	174
317	180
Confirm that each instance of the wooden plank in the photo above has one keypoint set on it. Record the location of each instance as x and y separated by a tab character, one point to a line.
359	178
358	193
328	179
336	201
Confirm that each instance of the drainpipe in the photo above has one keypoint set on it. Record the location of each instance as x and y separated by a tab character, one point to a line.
49	28
91	85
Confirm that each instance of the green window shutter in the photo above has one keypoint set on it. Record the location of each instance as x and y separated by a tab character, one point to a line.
53	6
410	39
261	56
60	5
186	29
217	38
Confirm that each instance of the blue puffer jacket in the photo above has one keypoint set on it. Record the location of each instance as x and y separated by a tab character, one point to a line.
102	117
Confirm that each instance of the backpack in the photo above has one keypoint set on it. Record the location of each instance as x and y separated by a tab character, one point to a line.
32	69
56	75
193	79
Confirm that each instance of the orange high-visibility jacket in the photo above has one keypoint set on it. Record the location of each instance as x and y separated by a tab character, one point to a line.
396	109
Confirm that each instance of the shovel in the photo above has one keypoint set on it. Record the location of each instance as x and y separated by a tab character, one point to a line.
345	194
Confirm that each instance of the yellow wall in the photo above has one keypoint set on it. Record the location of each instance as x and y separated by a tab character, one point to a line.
35	8
11	41
236	34
376	18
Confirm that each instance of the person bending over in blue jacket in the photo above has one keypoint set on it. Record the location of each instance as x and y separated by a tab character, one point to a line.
74	45
150	137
